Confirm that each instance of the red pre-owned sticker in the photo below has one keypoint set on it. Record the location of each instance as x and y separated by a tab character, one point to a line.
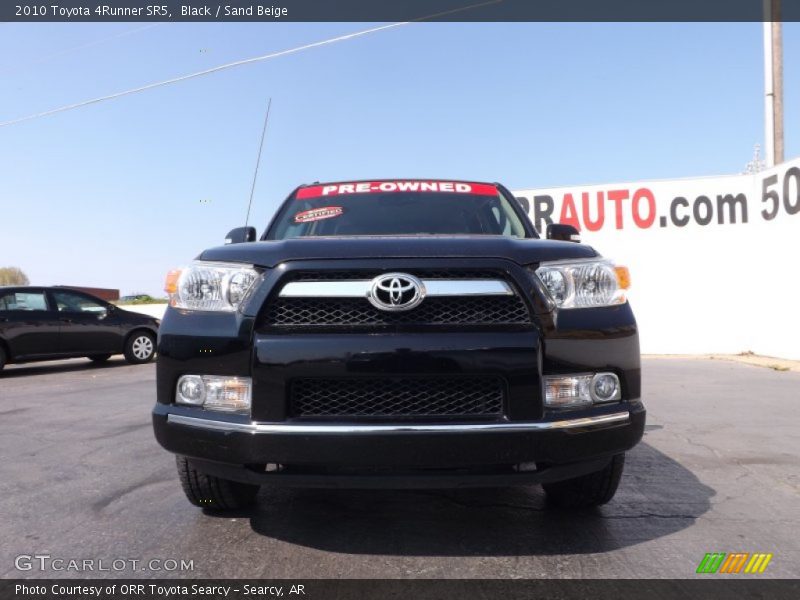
318	214
381	187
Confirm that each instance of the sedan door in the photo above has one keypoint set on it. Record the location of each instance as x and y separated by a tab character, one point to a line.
87	324
28	326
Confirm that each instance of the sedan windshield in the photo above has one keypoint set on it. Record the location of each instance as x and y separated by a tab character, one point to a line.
393	208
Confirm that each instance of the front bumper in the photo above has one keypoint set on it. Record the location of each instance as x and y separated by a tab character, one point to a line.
415	455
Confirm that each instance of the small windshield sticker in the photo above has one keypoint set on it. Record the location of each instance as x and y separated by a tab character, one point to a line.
382	187
318	214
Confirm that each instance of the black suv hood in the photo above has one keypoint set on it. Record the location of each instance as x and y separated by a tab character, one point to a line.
521	251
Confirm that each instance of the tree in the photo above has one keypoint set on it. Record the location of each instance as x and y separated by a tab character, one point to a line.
13	276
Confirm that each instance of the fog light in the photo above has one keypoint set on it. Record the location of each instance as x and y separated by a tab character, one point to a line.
191	390
215	392
605	387
574	391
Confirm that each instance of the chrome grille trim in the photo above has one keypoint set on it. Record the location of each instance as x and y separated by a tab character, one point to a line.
360	288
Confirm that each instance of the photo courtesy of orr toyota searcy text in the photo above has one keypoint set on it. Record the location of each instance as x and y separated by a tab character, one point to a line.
157	590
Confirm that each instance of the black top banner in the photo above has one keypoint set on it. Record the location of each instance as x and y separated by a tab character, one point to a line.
400	10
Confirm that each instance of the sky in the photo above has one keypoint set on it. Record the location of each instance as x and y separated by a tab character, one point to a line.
117	193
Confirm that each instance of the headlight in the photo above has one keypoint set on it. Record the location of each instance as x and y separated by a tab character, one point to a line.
584	283
210	286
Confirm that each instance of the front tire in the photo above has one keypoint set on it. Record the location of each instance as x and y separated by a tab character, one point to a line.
207	491
593	489
3	357
140	347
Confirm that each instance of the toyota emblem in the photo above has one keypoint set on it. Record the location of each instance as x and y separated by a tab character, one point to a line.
396	291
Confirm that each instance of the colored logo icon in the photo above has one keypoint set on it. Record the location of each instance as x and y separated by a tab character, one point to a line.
734	562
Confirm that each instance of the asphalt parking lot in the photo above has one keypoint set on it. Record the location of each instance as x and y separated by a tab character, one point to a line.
717	471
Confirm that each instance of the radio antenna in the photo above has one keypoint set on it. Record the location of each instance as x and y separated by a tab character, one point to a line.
258	162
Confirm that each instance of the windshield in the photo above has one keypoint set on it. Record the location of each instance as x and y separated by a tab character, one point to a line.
397	208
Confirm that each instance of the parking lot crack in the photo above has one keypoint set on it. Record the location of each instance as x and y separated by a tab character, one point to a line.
697	444
104	502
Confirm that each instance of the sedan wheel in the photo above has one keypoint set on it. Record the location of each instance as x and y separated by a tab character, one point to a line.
140	347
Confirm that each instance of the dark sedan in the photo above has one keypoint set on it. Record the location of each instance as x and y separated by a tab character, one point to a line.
38	323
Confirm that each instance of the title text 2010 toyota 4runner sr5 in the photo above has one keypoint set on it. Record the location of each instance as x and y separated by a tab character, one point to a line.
399	334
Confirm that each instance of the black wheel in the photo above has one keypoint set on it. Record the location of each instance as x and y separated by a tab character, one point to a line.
3	357
207	491
99	358
140	347
593	489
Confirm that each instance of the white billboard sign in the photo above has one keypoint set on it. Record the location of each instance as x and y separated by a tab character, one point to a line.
714	260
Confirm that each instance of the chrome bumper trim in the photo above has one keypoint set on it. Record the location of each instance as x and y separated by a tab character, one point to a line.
319	428
361	288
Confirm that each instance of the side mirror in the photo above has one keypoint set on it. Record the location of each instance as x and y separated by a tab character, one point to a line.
241	235
565	233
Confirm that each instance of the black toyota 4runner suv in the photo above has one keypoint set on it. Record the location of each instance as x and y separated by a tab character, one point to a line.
400	334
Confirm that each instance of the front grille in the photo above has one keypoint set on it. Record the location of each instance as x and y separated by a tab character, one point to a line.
358	312
336	313
397	397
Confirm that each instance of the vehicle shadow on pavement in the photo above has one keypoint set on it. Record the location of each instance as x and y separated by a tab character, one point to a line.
65	366
657	497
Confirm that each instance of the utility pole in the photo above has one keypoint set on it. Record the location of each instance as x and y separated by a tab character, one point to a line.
773	83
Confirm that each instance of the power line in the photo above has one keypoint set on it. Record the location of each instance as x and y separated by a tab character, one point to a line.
237	63
216	69
46	57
